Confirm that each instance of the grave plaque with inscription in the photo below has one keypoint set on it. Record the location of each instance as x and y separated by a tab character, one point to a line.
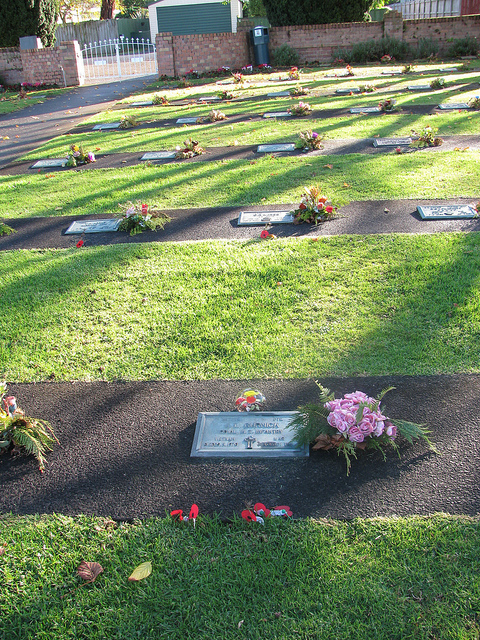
187	121
209	99
271	148
365	110
93	226
418	87
391	73
158	155
252	218
446	212
391	142
453	105
277	114
262	434
278	94
106	125
346	92
52	162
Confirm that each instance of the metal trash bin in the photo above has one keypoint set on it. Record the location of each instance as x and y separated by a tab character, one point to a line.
259	38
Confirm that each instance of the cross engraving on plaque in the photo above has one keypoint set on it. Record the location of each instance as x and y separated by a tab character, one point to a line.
250	440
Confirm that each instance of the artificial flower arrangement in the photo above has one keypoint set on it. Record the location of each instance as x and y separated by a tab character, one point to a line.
19	431
128	122
214	116
438	83
300	109
387	105
426	138
77	156
408	68
190	149
294	73
266	235
352	423
387	58
250	400
183	83
368	87
299	91
138	217
158	99
225	95
349	70
313	208
474	103
237	78
309	141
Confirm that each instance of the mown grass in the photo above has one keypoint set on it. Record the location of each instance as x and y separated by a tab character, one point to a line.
360	580
346	305
267	180
10	100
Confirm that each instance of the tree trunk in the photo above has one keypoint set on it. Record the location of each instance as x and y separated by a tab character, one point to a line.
108	7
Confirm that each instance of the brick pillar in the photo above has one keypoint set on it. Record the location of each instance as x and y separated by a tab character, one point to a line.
165	54
71	60
393	25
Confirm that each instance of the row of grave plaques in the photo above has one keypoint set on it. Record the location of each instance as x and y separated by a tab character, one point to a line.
261	218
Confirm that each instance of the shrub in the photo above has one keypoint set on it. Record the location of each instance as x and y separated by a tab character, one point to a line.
285	56
374	50
437	83
463	47
427	48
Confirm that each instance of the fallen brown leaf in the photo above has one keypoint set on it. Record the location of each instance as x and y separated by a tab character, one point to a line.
89	571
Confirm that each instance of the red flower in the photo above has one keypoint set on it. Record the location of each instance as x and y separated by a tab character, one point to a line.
249	516
79	244
144	209
264	234
177	514
193	512
329	209
302	206
261	509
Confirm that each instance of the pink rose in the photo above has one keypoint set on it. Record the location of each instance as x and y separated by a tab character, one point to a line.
391	430
366	427
355	435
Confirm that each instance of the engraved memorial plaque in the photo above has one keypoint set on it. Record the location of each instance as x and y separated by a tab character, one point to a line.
93	226
277	114
446	212
187	121
141	104
453	105
271	148
106	125
209	99
346	92
391	142
278	94
391	73
51	162
158	155
365	110
262	434
418	87
251	218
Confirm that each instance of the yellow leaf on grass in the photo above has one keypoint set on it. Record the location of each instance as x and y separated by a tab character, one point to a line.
142	571
345	184
328	166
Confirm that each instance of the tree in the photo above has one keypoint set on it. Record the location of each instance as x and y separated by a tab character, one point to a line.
108	7
134	8
287	12
254	9
76	10
20	18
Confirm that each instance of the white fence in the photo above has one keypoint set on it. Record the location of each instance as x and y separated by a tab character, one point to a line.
421	9
119	58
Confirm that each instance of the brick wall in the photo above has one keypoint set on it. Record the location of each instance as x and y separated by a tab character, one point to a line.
53	65
314	43
10	66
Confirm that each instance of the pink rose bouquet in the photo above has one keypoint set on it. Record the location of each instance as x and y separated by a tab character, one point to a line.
351	423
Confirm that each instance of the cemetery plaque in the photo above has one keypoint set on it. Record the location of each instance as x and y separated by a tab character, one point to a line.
278	94
263	434
93	226
158	155
418	87
209	99
446	212
453	105
391	73
365	110
391	142
187	121
225	82
272	148
106	125
141	104
277	114
50	162
251	218
346	92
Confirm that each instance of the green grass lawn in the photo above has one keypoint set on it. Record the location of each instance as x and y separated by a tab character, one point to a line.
376	579
345	305
10	100
267	180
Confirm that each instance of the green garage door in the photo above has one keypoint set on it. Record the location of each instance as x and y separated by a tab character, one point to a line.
194	18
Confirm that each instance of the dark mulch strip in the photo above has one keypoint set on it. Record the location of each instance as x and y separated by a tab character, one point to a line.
215	154
125	448
366	217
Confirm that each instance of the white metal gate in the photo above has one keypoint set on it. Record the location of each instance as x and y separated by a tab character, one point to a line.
119	58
